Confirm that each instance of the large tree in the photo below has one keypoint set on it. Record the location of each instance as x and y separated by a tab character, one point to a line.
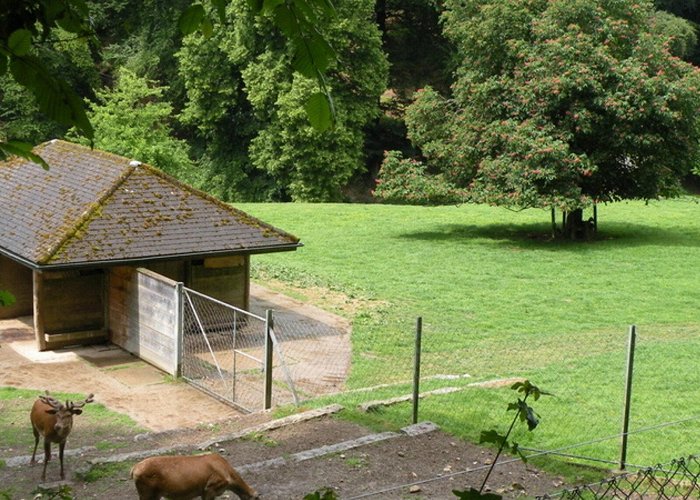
559	104
132	120
249	111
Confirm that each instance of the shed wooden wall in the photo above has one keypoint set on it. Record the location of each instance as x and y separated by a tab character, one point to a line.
143	315
72	307
224	278
16	279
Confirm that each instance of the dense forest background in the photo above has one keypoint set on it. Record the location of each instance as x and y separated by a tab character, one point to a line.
225	112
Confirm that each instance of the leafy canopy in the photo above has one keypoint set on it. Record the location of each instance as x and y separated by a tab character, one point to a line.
249	115
560	104
132	121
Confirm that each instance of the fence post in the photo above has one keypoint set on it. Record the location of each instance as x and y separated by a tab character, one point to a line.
179	318
416	369
628	395
268	359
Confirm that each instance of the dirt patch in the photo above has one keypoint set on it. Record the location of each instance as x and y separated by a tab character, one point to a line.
120	381
154	400
402	466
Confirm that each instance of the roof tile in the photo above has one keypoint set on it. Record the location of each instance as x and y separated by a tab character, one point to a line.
92	206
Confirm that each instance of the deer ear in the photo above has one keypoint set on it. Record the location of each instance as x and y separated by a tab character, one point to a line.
52	411
76	411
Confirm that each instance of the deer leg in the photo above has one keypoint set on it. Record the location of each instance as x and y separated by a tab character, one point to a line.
47	457
36	444
61	447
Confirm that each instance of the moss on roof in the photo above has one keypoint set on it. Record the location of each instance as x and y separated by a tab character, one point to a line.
94	206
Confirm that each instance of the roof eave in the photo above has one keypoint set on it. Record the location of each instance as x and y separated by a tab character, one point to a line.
142	260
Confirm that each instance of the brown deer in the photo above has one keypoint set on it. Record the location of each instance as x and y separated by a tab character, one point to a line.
186	477
53	420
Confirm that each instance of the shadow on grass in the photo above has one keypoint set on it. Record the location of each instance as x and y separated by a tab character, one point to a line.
539	236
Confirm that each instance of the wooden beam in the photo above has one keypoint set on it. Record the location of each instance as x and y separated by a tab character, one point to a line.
38	293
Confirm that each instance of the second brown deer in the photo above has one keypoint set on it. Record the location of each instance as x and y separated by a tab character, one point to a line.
53	420
187	477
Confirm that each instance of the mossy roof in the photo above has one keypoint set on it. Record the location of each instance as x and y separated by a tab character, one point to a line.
95	207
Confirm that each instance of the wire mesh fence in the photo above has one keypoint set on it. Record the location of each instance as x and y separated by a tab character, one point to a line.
223	350
677	479
465	379
224	353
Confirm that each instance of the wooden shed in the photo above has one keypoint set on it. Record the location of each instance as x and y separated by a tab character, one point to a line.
70	236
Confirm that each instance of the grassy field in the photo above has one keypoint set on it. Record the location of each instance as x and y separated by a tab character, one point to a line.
499	298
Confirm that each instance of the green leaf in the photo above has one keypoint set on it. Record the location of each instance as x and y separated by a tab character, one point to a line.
6	298
54	96
285	20
207	27
270	5
473	493
531	418
306	10
3	64
220	6
256	6
191	19
312	55
23	150
493	437
23	71
20	42
319	111
70	22
529	389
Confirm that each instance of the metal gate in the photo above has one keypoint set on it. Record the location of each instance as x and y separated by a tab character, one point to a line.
232	354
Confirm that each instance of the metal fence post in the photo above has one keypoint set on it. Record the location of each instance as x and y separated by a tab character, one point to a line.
416	369
628	395
268	359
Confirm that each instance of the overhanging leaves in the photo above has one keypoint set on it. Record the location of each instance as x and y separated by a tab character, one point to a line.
20	42
191	19
54	96
6	298
319	109
493	437
21	149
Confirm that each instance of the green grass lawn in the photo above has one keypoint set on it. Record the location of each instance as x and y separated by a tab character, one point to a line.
500	299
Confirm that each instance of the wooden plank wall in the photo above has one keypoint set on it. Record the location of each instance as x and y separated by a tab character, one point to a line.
73	301
224	278
16	279
143	316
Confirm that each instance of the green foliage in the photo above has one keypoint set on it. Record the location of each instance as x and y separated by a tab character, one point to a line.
131	120
249	114
300	21
143	37
404	180
322	494
98	472
474	494
563	103
6	298
25	25
526	414
416	48
61	492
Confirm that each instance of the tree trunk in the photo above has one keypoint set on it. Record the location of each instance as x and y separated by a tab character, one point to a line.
575	228
380	15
